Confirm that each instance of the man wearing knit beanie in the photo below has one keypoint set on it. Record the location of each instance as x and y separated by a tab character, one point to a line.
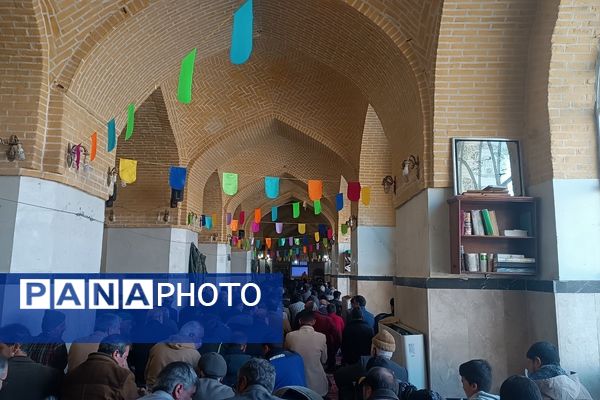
383	346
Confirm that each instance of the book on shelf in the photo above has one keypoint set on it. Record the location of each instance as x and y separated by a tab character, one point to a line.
466	223
490	190
515	233
496	231
477	223
516	270
487	222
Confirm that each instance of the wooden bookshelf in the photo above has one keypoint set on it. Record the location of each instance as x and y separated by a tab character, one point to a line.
511	213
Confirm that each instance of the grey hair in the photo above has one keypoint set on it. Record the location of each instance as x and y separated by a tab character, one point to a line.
173	374
259	372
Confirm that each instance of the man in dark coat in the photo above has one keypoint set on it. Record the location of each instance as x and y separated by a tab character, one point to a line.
104	375
356	339
235	356
48	348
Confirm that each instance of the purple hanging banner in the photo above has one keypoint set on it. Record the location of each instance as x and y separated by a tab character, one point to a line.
278	227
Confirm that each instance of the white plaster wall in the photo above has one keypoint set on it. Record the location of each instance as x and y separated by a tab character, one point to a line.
179	252
412	238
47	235
240	261
439	229
216	257
578	316
577	203
377	294
376	254
9	195
547	245
137	250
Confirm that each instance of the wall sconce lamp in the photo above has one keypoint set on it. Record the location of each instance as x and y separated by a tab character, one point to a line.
74	154
408	165
163	216
388	184
352	222
111	176
15	149
111	216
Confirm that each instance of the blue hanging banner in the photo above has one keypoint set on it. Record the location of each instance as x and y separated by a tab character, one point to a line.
112	135
257	244
271	187
241	36
273	214
177	177
203	220
322	229
208	222
339	201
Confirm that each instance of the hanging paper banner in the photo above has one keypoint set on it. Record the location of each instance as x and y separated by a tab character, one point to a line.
274	214
301	228
268	242
344	229
234	240
241	36
94	146
112	135
310	248
304	250
257	215
240	244
177	177
315	190
305	240
228	219
365	195
317	237
325	242
322	229
209	222
203	220
242	217
127	170
296	209
255	227
297	250
297	241
257	244
281	241
317	207
234	225
230	183
291	241
214	218
271	187
353	191
279	228
186	75
318	246
339	201
130	121
329	233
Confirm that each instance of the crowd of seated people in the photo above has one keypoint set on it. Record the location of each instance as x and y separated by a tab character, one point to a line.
328	352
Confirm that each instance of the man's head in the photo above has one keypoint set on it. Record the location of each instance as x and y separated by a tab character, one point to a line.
117	347
3	370
256	371
192	332
519	388
336	295
108	323
53	323
383	344
15	337
239	340
330	308
356	314
212	365
307	318
476	376
269	348
379	378
540	354
358	301
178	379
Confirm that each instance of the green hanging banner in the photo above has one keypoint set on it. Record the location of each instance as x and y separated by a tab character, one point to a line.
344	229
317	207
186	74
130	121
230	183
296	209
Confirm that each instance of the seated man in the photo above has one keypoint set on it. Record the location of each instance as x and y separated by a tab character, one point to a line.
476	377
289	366
383	346
519	388
105	325
181	347
554	382
26	379
212	368
235	356
379	383
176	381
48	348
104	375
256	379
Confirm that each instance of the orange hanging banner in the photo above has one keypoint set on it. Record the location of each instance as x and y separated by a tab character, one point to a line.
268	242
234	225
315	190
94	146
257	215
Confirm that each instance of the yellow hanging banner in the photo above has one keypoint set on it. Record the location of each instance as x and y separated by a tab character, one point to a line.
301	228
365	196
127	170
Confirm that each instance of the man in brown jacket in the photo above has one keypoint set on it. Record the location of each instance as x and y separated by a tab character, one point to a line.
104	375
181	347
106	325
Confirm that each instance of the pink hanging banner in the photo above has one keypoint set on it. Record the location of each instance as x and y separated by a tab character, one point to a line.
329	233
291	241
255	227
242	217
353	191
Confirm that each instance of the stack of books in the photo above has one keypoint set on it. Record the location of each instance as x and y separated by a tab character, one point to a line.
489	191
514	263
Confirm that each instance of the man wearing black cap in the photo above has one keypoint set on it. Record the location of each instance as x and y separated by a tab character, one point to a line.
48	347
212	368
